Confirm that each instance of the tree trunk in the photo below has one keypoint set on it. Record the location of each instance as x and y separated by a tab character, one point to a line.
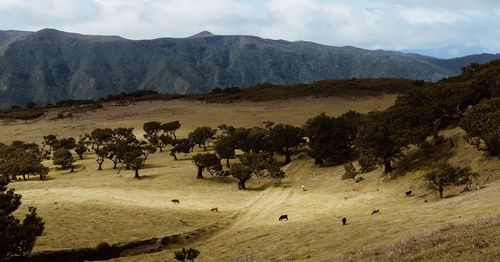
241	185
441	189
200	171
287	157
173	154
24	177
387	165
100	164
81	156
114	164
227	162
72	169
136	173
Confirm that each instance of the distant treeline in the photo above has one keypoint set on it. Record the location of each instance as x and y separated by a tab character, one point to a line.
261	92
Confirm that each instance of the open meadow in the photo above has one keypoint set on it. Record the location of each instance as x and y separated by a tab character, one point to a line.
88	207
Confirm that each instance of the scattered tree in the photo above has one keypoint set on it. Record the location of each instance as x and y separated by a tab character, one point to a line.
224	147
377	140
64	158
80	149
66	143
49	140
445	175
207	161
258	164
135	157
180	146
171	127
331	138
284	139
201	135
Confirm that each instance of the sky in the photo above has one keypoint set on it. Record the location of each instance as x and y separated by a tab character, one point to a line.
441	28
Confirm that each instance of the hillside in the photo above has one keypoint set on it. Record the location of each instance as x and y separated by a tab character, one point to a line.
49	65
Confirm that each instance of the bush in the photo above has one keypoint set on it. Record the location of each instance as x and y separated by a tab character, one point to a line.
186	254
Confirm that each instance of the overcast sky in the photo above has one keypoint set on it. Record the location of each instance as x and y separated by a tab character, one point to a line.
443	28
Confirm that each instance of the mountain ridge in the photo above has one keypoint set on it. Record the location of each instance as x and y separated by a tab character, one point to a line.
49	65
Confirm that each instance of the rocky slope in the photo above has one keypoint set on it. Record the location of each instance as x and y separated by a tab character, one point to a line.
49	65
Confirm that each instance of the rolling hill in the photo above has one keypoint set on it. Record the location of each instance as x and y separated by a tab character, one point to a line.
49	65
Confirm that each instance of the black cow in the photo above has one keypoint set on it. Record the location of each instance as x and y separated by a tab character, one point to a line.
283	217
408	193
344	221
176	201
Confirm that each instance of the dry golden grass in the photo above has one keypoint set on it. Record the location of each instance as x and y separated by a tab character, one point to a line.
192	114
87	207
473	241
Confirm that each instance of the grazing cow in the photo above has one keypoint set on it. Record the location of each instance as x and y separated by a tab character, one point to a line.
214	209
303	188
408	193
344	221
375	211
176	201
283	217
183	222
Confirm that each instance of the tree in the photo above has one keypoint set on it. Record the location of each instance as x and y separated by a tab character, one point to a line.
21	159
122	140
153	131
49	141
331	138
201	135
255	164
189	254
445	175
284	139
207	161
224	147
66	143
64	158
80	149
136	155
101	155
171	127
251	140
378	140
180	146
101	136
17	238
242	173
481	121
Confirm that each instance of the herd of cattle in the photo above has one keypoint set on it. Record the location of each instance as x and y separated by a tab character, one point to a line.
285	217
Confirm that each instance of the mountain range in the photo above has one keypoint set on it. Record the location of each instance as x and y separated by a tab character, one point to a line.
48	66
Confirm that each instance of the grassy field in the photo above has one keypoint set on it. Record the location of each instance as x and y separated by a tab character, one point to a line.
84	208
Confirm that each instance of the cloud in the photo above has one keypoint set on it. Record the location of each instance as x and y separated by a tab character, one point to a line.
458	26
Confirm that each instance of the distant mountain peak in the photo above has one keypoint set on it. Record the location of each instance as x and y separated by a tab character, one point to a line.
49	30
203	33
